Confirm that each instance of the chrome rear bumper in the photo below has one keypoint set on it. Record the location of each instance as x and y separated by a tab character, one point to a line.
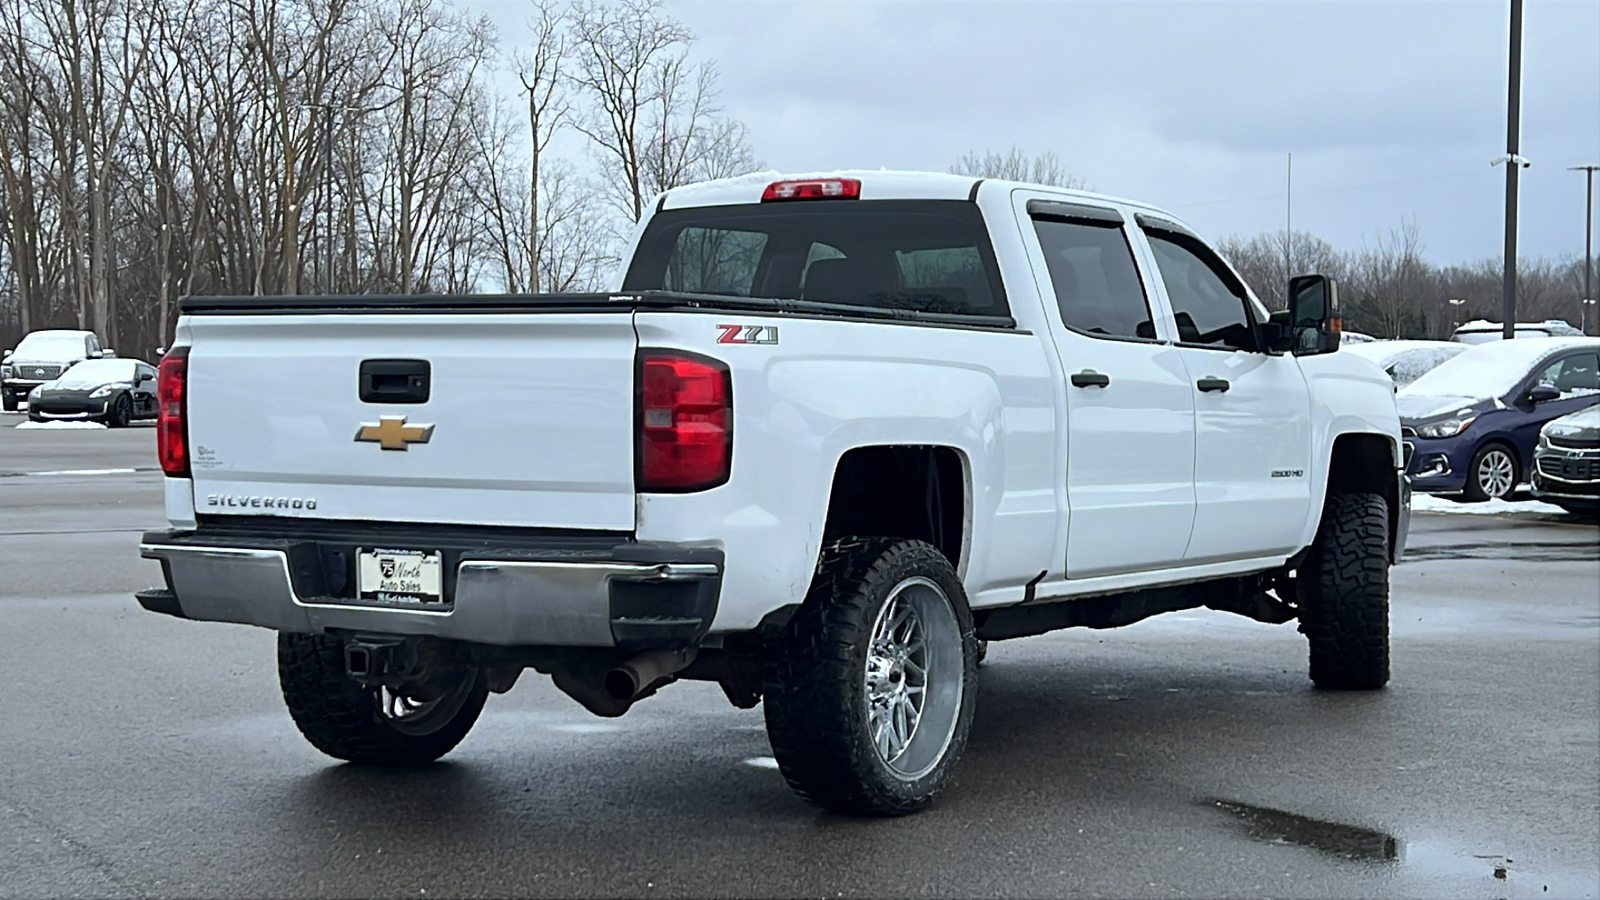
506	602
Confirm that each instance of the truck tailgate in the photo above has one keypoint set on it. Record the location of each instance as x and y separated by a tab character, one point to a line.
528	419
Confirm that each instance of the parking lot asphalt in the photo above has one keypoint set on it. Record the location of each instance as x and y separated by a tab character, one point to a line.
1186	755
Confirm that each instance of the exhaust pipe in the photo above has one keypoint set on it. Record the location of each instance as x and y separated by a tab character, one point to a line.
609	692
639	677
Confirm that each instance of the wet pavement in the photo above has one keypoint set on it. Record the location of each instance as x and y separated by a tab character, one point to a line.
1183	756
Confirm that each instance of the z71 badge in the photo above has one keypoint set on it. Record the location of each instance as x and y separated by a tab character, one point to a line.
748	334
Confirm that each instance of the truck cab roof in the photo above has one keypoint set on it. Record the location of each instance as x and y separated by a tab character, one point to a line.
876	184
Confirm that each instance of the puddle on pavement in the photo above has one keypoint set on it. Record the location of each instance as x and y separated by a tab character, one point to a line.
1566	551
1438	863
1279	827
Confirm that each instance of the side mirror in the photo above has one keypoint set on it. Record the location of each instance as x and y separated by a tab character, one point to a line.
1279	332
5	355
142	377
1543	392
108	353
1314	315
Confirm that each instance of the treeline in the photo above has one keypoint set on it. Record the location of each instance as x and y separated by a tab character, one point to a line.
1388	290
150	150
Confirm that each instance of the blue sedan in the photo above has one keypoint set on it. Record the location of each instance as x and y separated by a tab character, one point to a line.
1471	424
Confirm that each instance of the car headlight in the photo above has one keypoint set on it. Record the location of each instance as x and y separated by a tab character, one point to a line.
34	393
5	371
102	391
1446	428
1544	440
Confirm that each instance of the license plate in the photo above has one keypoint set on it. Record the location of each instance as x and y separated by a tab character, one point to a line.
411	576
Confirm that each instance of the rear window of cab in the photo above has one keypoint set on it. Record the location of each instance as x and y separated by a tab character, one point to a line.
916	255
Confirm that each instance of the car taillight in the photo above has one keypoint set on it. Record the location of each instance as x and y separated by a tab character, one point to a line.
172	432
813	189
685	421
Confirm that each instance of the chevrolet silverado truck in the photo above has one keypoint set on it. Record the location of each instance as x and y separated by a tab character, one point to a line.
829	435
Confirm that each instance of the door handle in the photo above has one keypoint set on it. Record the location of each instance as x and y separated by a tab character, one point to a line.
1209	384
1090	378
394	381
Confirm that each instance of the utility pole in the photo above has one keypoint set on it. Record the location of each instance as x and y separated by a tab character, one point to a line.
1588	248
1514	164
1288	227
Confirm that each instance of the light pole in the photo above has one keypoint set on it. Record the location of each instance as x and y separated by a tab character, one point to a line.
1588	247
1455	313
1513	162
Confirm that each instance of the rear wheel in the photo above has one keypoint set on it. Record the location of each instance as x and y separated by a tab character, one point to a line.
1343	594
368	724
869	703
1492	474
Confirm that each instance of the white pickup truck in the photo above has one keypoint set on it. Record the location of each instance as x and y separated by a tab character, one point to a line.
829	436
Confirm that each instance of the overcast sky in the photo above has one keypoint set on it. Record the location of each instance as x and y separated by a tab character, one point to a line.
1391	109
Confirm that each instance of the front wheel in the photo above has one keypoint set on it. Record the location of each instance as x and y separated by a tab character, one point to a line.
1492	474
368	724
1343	594
869	703
120	412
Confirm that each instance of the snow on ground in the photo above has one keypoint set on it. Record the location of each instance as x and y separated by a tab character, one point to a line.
1430	503
61	424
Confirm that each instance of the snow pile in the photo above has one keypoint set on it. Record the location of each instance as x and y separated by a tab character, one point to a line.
1432	504
62	424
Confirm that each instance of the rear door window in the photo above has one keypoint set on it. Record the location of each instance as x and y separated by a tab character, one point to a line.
1096	283
917	255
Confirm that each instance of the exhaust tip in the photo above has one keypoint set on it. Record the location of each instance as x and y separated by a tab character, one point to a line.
620	684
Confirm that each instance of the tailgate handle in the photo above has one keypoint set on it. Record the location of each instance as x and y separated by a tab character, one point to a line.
394	381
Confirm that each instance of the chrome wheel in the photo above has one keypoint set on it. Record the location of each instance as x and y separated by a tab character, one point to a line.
418	717
914	678
1496	474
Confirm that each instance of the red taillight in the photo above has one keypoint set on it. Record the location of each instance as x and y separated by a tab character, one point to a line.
685	422
813	189
172	432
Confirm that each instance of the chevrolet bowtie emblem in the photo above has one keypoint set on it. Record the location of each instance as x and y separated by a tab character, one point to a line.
392	433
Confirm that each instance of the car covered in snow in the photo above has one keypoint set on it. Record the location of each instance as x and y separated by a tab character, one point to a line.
1406	361
113	391
1566	464
1482	331
1471	423
43	356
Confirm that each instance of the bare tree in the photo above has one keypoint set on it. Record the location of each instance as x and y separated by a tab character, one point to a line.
1386	282
654	120
1262	262
540	67
1014	165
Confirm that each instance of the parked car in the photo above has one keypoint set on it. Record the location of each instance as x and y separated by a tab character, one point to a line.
1566	464
1406	361
113	391
1482	331
42	356
1471	423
